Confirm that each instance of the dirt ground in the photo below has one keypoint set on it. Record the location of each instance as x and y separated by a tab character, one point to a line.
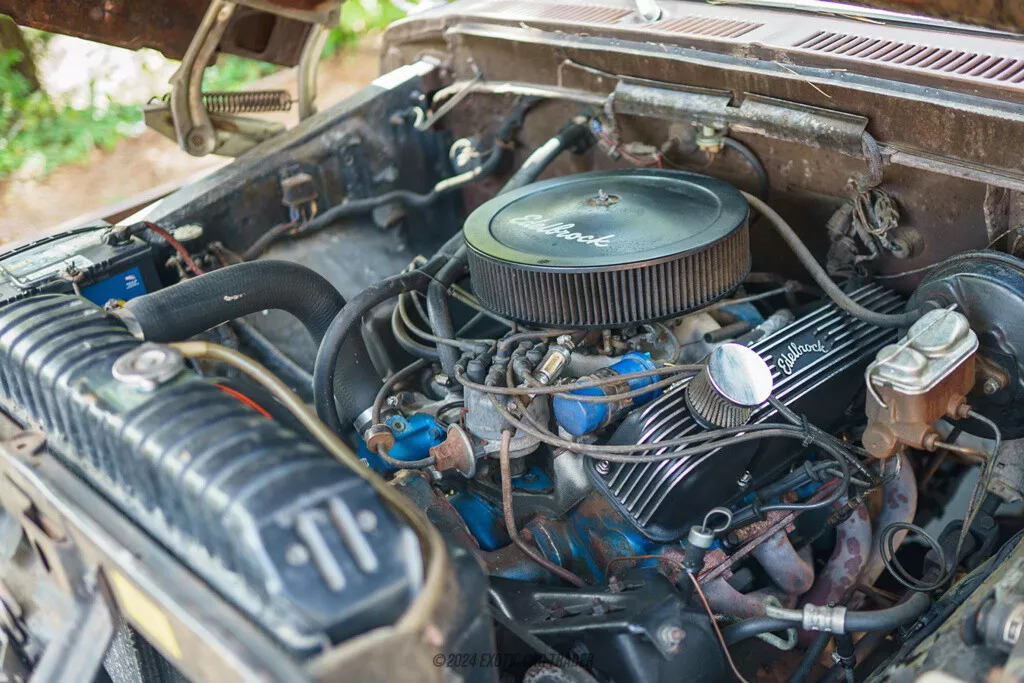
149	161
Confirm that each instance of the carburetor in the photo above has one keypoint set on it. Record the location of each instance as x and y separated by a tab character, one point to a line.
912	384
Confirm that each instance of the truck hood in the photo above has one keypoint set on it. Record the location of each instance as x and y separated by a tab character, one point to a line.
270	30
277	35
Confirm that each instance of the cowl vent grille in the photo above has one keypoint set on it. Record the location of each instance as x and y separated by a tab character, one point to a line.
705	26
967	64
525	11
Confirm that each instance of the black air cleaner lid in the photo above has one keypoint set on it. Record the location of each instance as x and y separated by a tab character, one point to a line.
607	218
608	248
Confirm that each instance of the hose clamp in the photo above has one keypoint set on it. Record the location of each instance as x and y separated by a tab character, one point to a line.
364	420
821	618
812	617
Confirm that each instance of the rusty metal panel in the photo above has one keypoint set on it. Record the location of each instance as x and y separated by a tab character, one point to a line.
1007	15
166	25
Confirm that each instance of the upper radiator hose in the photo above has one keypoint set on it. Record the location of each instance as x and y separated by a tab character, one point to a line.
196	305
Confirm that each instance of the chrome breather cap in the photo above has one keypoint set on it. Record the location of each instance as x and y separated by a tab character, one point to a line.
734	381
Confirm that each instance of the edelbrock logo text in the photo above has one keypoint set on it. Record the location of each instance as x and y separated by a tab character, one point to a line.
537	223
789	356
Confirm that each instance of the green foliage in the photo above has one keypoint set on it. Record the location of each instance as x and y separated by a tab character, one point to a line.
36	129
47	133
359	17
230	72
33	127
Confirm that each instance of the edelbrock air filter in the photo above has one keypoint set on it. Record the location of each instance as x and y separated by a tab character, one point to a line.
608	249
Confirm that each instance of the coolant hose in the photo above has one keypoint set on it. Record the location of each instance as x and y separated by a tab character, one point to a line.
810	658
855	621
339	400
196	305
193	306
573	135
818	274
858	621
440	317
751	628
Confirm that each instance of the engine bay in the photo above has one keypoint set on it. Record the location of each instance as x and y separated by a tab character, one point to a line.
559	409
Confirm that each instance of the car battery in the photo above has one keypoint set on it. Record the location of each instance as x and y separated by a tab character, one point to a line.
102	263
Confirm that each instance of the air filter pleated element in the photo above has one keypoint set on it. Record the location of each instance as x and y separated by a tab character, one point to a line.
608	249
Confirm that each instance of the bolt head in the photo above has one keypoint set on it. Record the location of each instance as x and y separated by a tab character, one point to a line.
991	386
603	467
296	555
367	520
671	635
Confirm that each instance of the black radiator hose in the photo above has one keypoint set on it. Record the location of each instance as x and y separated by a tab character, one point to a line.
889	618
855	621
440	318
753	627
196	305
333	371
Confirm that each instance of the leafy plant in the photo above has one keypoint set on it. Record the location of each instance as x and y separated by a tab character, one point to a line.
34	127
36	130
359	17
230	72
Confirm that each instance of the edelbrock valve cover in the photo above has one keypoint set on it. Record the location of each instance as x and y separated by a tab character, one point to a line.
817	365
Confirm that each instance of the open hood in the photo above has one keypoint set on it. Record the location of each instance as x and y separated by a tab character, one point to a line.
269	30
274	30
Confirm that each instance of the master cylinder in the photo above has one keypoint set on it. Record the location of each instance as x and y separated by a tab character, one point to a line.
912	384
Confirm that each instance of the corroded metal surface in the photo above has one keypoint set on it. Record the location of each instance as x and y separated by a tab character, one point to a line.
166	25
899	504
759	532
850	556
725	599
790	571
1002	14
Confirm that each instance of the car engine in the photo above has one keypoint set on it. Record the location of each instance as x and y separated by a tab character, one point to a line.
383	402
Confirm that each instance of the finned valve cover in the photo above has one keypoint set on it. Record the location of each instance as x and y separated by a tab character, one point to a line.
608	249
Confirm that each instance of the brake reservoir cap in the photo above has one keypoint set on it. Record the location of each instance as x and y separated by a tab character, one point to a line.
734	381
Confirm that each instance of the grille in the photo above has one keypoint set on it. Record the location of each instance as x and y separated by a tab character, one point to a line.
971	65
705	26
585	14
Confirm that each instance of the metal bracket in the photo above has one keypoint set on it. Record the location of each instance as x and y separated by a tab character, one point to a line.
188	120
77	653
767	116
192	125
